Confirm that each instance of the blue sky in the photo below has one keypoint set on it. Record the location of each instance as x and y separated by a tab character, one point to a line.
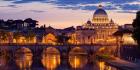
64	13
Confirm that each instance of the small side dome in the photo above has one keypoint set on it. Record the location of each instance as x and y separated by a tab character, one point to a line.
89	22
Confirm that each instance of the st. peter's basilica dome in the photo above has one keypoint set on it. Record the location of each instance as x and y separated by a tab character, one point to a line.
100	16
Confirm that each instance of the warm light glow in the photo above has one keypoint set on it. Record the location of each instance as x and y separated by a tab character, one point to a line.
24	58
5	37
77	61
49	39
73	40
103	66
51	61
128	40
20	39
31	40
51	58
102	49
111	40
77	57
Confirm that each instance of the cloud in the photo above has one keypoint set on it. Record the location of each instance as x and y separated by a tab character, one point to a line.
131	7
37	11
134	3
30	1
26	1
92	4
126	11
87	4
12	6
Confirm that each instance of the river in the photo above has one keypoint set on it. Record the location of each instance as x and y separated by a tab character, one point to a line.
51	60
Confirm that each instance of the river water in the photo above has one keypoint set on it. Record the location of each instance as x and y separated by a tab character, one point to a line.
51	61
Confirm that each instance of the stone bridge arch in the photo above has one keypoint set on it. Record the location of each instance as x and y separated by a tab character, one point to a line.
89	49
78	50
51	50
23	50
12	50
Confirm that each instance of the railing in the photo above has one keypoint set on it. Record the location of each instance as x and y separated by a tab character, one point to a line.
43	44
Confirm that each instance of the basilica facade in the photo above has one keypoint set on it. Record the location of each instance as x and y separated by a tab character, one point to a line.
99	30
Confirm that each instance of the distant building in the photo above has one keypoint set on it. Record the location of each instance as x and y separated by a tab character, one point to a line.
128	26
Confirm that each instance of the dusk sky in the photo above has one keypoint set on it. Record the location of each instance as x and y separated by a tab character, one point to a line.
65	13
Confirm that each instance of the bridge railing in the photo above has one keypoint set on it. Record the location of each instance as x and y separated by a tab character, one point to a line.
42	44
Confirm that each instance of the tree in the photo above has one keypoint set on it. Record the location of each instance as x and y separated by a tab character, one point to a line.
136	25
18	24
2	23
30	36
63	38
10	23
17	36
3	36
31	23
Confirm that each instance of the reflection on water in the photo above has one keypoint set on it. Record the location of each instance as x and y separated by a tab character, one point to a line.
51	58
77	61
77	58
23	58
51	61
3	62
103	66
3	59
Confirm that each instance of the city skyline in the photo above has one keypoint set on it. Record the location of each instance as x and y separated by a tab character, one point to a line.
69	34
67	13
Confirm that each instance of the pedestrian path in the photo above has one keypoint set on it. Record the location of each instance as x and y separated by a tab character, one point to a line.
123	64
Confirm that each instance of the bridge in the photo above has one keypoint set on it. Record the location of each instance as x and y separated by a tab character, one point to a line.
64	50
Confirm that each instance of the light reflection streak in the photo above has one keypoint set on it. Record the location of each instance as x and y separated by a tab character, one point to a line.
24	58
51	58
